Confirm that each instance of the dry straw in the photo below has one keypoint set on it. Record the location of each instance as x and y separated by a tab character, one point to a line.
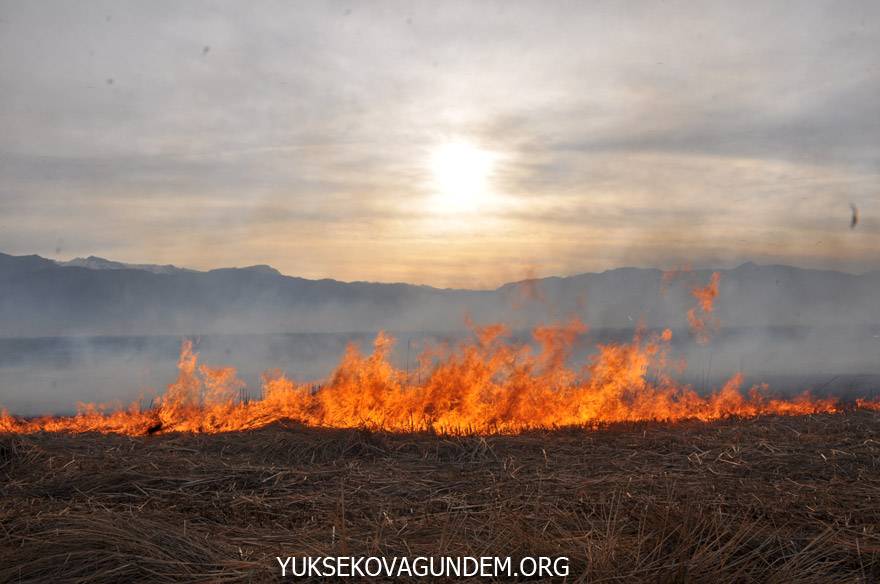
787	499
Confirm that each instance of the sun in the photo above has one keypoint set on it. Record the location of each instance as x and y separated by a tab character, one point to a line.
461	174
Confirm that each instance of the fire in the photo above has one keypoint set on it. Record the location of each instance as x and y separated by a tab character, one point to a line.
700	317
484	385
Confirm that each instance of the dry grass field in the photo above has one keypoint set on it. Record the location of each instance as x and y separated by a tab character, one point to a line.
770	499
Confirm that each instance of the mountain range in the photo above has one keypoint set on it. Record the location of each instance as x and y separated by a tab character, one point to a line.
94	296
96	263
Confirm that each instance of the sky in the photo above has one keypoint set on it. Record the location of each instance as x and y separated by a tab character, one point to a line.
460	144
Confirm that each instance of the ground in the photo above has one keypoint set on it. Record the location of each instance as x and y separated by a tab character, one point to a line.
778	499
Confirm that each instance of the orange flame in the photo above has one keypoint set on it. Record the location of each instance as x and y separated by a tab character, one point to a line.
485	385
700	317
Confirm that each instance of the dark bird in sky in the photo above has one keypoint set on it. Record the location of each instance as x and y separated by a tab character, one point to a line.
855	216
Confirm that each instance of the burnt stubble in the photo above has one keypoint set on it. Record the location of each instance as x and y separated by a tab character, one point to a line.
768	499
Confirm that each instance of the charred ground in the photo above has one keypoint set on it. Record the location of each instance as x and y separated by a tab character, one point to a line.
770	499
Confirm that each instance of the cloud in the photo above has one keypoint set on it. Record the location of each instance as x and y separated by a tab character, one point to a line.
638	133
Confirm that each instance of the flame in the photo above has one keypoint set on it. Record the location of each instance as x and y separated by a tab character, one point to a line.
700	317
866	404
484	385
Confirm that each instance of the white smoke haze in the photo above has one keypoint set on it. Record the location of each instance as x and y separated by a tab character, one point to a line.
793	329
300	136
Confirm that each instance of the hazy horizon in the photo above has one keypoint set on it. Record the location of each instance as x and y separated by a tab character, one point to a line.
528	275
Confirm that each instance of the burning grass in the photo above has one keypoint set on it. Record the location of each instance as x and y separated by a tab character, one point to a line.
487	386
764	499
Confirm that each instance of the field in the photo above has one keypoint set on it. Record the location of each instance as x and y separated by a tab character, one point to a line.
769	499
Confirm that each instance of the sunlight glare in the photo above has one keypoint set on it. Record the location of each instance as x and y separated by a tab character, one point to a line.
461	173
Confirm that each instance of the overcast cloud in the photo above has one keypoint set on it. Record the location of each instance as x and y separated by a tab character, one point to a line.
298	134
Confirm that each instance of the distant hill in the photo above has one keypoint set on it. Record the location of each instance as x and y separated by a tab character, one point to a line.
41	297
96	263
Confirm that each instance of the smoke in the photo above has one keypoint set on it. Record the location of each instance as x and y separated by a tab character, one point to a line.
52	375
794	329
